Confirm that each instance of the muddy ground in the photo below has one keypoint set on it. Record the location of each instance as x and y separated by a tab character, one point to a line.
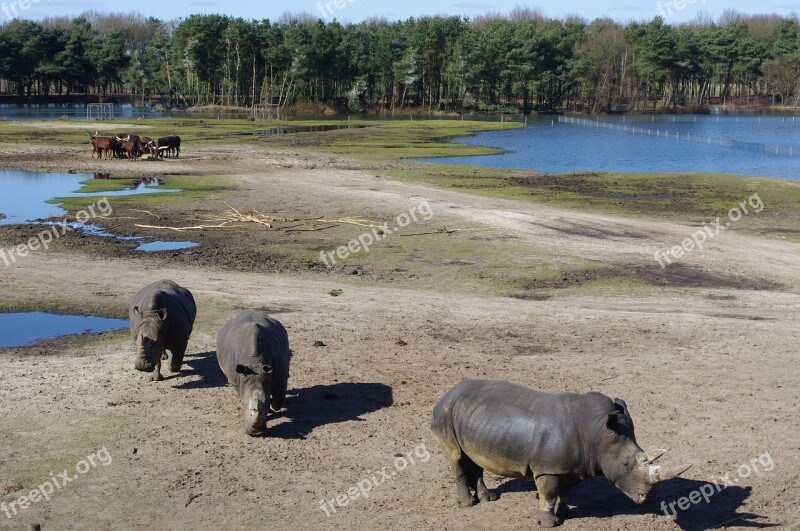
703	353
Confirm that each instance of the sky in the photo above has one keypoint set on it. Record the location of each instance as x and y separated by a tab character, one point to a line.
673	11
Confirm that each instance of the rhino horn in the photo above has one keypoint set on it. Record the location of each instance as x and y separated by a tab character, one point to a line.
646	458
658	474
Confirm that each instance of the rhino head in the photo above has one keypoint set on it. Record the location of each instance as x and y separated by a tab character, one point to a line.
255	385
624	463
150	340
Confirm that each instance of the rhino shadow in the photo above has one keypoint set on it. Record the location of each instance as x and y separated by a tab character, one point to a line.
205	366
598	498
312	407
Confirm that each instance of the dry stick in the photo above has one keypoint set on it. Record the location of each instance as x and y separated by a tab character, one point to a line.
147	212
180	229
449	232
310	229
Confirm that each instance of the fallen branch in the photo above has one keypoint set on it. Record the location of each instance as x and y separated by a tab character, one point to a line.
310	229
447	231
181	229
147	212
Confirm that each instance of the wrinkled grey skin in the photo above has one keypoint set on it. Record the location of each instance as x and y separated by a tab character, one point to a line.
253	352
162	316
556	440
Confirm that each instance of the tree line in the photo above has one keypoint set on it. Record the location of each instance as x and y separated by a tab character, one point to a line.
521	61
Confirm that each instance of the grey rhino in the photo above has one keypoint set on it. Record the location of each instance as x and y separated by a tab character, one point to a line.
555	440
162	316
253	352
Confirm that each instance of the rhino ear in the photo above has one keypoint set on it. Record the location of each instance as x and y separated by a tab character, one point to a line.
267	369
621	403
136	311
612	420
162	314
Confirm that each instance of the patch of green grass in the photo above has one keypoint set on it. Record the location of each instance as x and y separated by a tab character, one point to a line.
481	262
369	140
690	198
394	140
192	188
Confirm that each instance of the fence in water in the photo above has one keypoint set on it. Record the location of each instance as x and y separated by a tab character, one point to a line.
653	132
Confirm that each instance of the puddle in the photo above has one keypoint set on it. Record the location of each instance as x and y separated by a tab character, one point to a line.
27	195
26	329
154	247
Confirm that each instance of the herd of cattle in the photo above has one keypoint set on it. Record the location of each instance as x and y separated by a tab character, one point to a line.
128	146
554	440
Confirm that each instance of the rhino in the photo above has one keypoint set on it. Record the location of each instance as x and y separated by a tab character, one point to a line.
555	440
253	352
162	316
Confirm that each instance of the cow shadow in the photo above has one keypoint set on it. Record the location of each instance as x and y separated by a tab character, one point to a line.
309	408
205	366
598	498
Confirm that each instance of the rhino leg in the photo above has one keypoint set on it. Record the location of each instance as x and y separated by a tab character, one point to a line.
549	488
278	395
459	464
177	357
484	494
156	376
476	484
461	471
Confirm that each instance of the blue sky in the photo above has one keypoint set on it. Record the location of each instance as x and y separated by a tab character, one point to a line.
356	10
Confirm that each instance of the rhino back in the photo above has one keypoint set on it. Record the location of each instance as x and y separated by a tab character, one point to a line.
180	305
253	337
515	431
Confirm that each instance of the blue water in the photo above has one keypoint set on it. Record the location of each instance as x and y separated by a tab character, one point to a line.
564	148
75	112
128	111
25	329
27	194
154	247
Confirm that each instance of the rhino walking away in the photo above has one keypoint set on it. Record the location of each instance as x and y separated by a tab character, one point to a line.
555	440
253	352
162	316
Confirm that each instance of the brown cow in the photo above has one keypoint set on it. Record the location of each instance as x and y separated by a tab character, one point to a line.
100	145
148	146
131	145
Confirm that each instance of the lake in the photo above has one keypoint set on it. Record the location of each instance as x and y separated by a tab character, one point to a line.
547	146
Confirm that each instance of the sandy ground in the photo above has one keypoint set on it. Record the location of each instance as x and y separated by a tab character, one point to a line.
710	373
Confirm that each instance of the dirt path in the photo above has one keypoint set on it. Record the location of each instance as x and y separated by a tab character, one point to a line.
710	374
